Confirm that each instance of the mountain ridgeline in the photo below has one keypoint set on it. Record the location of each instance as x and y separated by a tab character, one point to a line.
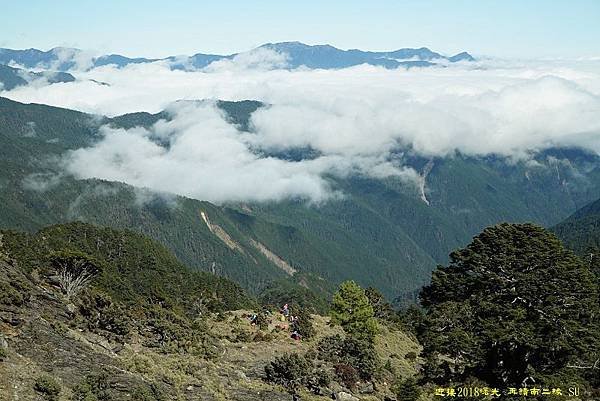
298	54
369	235
11	78
581	230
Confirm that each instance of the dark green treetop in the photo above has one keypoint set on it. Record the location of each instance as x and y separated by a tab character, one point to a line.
352	310
512	307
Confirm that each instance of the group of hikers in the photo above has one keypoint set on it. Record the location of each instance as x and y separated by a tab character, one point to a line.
285	315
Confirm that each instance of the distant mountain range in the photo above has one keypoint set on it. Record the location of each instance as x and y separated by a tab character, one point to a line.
298	54
11	77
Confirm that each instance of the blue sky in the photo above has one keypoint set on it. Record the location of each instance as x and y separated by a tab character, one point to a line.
152	28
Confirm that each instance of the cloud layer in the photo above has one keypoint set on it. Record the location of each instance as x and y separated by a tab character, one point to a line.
356	119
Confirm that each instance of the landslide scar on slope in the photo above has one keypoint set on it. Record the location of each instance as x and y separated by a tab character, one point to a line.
221	234
226	238
275	259
422	181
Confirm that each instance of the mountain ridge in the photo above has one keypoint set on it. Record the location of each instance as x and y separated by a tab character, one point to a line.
299	54
11	77
581	230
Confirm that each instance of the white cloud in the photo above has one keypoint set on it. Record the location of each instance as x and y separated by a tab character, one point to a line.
356	119
41	182
82	60
257	59
206	159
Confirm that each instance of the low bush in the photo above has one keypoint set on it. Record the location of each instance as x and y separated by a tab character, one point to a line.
407	389
317	380
149	393
294	371
172	333
347	375
101	313
48	387
288	370
350	351
92	388
261	336
9	295
304	324
262	321
241	335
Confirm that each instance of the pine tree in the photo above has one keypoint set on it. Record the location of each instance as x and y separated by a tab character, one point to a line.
353	311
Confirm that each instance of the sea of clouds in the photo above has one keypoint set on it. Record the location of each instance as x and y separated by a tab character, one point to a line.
355	119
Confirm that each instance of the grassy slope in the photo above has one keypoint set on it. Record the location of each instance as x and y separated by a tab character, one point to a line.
48	335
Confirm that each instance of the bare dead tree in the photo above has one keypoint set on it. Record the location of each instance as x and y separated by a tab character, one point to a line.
74	270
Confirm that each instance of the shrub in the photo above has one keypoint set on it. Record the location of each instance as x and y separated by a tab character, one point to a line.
364	357
293	371
10	296
48	387
220	317
347	374
172	333
262	321
261	336
407	389
389	367
288	370
101	313
92	388
241	335
304	324
318	379
150	393
350	351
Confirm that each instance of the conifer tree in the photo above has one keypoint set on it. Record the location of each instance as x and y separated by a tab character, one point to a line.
353	311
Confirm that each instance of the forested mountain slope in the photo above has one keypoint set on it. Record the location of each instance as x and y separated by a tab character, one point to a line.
382	232
581	230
